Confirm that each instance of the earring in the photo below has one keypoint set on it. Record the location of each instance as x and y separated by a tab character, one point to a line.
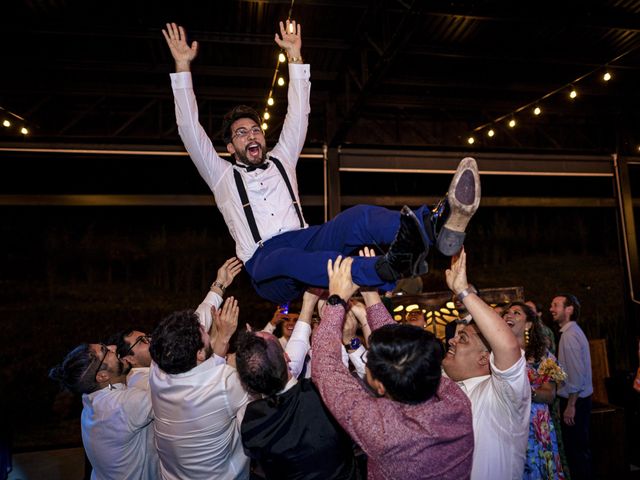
526	337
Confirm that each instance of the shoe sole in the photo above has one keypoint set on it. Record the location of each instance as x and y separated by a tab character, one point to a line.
463	195
420	266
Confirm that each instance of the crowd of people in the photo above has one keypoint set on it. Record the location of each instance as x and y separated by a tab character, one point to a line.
355	395
347	393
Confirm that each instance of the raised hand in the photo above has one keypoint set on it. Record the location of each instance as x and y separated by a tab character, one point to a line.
290	40
340	281
457	275
225	321
226	318
228	271
182	53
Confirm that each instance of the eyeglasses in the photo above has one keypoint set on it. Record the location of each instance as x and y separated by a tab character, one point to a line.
243	132
141	338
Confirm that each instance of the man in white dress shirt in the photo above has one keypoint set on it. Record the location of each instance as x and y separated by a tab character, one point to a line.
117	419
197	398
485	359
257	193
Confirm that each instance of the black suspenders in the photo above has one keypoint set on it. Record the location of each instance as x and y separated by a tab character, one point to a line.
242	191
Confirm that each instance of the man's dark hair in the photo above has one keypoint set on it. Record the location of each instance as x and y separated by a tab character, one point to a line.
407	360
480	335
261	364
77	372
175	342
238	112
571	301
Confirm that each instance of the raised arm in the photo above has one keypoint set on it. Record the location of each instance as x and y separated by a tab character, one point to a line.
504	345
294	128
209	164
377	313
226	322
224	276
298	345
183	53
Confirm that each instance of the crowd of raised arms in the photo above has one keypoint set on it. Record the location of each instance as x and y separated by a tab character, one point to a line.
343	391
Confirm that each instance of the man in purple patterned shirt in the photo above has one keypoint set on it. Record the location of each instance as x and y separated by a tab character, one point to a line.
410	421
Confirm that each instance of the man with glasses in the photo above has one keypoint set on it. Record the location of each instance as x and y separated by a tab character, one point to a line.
257	193
117	418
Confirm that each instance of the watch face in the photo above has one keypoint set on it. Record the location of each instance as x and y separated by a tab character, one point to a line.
355	343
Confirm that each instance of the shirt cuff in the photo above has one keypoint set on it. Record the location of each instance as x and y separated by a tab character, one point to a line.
299	71
181	80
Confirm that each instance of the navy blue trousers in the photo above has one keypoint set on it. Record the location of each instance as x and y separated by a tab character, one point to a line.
289	263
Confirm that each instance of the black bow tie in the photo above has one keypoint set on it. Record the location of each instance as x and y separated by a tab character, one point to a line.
251	168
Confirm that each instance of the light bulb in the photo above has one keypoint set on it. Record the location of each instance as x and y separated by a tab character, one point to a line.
24	131
512	123
471	140
606	77
264	125
537	111
270	101
280	81
573	94
267	115
491	133
281	58
6	123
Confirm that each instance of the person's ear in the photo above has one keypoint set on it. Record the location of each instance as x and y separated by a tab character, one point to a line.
570	310
230	148
201	356
484	359
378	387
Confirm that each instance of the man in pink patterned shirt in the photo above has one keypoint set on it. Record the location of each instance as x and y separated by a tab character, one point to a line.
410	421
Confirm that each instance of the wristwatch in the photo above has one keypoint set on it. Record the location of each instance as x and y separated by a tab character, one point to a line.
354	344
336	300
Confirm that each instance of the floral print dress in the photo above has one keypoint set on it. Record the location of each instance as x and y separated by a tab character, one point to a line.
543	458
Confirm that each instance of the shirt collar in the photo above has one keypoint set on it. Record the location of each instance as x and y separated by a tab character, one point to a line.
566	326
470	384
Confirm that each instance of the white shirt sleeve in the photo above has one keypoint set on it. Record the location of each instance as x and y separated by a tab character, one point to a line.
204	309
355	358
209	164
512	388
298	347
294	128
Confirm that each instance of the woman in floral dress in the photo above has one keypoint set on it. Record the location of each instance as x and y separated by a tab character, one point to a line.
543	459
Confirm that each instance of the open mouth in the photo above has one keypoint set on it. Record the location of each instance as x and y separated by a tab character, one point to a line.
254	150
510	323
451	351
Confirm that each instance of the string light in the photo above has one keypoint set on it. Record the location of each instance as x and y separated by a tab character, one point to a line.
471	140
573	93
282	58
264	126
11	118
491	133
270	101
280	81
266	115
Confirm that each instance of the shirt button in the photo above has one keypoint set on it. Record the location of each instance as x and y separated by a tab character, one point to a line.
265	199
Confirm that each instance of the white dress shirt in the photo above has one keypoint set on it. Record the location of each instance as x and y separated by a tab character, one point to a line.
198	416
117	433
500	405
270	200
